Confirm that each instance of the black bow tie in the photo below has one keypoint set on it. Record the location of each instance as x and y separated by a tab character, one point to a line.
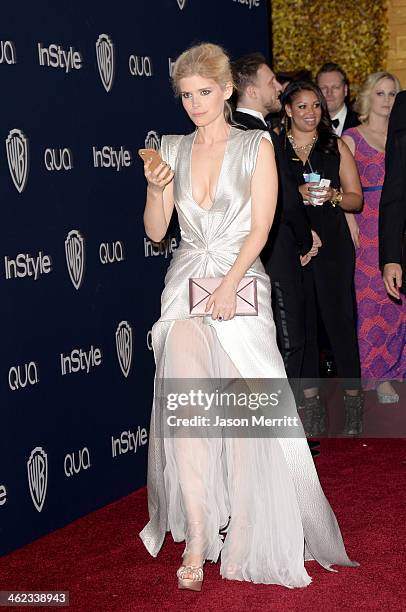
335	123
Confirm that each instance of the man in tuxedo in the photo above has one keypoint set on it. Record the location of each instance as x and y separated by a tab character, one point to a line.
392	208
334	85
290	240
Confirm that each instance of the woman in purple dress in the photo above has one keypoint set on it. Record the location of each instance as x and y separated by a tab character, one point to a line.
381	320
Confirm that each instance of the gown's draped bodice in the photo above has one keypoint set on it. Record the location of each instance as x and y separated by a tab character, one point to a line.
210	239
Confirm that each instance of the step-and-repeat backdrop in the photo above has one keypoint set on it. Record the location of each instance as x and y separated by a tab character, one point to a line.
83	86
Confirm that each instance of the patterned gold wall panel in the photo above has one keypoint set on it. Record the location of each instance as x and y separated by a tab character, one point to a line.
396	61
354	33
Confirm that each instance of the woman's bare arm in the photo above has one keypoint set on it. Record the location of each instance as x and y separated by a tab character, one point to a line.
159	205
352	223
349	179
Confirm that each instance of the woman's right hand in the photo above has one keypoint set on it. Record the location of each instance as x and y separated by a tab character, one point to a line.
159	178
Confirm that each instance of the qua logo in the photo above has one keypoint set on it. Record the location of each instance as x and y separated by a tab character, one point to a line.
152	141
76	462
75	257
37	471
17	157
7	52
140	66
20	377
124	346
105	60
111	252
58	159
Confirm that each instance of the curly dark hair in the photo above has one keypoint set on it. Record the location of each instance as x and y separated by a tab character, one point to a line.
327	139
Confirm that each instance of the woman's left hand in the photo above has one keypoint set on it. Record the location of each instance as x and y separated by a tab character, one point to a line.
223	300
322	194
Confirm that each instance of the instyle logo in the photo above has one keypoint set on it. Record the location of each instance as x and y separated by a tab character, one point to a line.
58	159
166	247
18	158
79	360
250	3
152	141
25	265
3	495
7	52
76	462
55	56
105	60
22	376
181	4
140	66
124	346
128	441
171	64
75	257
111	252
37	472
108	157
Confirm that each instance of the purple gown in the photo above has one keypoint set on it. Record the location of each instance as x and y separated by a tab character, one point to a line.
381	321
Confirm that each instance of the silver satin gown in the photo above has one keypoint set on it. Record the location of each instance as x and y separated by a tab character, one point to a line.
280	516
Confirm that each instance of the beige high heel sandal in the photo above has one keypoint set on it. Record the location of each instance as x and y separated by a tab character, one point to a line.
194	581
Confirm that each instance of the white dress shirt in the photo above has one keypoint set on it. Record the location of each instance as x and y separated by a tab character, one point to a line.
341	115
252	112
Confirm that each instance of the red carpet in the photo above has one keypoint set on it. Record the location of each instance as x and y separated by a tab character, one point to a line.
103	564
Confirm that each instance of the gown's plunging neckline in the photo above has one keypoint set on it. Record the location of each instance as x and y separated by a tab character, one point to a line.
382	152
218	178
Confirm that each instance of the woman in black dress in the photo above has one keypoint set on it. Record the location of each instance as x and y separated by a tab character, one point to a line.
312	148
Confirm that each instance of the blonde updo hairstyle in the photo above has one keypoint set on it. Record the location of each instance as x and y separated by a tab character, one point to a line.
208	61
363	102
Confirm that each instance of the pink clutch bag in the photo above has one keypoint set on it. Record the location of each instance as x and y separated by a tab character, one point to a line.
200	289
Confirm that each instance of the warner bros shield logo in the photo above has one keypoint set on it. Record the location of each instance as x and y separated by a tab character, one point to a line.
124	344
75	257
17	156
105	60
37	471
152	140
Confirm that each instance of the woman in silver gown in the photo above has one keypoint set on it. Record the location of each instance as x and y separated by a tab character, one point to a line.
223	183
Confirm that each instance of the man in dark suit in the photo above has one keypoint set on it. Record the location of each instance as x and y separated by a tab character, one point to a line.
334	84
392	208
290	239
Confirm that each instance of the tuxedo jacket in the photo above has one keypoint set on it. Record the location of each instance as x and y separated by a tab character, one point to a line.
392	208
290	235
351	119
